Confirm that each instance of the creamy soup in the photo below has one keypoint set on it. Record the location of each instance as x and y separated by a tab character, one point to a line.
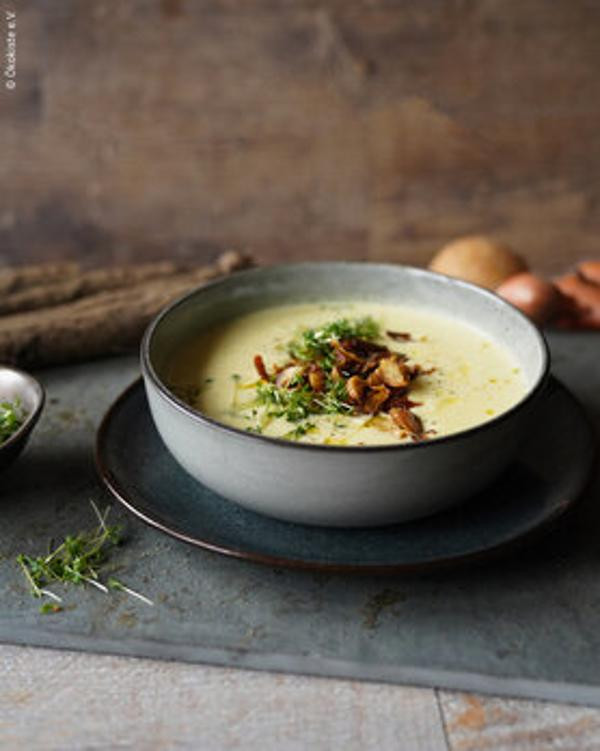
347	374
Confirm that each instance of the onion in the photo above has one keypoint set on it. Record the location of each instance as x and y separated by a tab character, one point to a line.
585	298
589	271
536	297
480	260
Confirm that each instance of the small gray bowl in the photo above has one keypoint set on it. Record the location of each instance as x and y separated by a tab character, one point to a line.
351	486
17	385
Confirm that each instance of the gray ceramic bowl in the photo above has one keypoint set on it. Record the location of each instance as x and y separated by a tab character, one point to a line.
330	485
15	384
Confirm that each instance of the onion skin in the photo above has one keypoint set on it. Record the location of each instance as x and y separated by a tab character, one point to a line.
584	298
589	271
537	298
478	259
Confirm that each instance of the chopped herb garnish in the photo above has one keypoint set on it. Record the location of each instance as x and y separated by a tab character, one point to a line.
293	404
340	368
300	430
315	344
12	416
334	400
298	400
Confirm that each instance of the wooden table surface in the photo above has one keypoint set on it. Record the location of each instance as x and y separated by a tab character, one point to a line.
66	701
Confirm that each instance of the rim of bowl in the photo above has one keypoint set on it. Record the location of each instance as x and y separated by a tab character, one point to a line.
169	396
33	416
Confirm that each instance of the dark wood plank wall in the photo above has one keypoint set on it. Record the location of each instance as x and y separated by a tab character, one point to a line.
334	129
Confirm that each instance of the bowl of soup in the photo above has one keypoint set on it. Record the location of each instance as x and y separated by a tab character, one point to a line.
21	403
343	394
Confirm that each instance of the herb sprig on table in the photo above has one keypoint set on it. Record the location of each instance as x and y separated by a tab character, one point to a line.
77	560
12	416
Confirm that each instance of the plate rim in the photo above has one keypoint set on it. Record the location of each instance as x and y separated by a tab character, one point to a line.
113	485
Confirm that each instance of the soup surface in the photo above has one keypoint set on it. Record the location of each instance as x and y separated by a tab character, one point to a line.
347	374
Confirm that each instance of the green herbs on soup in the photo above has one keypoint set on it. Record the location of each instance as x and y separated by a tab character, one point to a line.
346	374
344	367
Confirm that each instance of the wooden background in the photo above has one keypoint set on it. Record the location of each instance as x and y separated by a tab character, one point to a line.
362	129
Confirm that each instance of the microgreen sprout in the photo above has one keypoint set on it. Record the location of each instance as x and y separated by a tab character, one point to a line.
77	560
12	416
300	430
116	584
298	401
315	344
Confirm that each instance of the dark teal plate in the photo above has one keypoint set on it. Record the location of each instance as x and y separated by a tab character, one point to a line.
549	476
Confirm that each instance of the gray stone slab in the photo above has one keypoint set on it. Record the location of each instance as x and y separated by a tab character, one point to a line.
527	626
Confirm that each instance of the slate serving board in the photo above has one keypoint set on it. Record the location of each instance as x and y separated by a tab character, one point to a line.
524	626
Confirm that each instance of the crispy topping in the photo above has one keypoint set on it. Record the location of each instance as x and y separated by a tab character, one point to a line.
376	398
394	372
316	378
259	364
374	378
355	386
345	359
342	368
408	421
400	399
399	336
362	347
287	376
